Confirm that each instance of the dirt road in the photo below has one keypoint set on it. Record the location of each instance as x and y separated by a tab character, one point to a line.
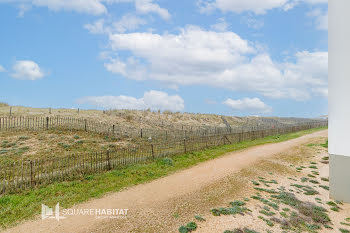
143	198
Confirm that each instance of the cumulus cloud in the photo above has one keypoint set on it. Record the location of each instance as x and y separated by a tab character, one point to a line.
217	59
154	100
254	6
248	105
27	70
2	69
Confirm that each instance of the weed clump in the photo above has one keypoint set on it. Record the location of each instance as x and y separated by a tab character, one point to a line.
167	161
191	226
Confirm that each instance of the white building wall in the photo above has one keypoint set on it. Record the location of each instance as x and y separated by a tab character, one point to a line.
339	77
339	99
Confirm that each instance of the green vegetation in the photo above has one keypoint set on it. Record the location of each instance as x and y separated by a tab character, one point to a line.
17	207
191	226
199	218
267	221
325	145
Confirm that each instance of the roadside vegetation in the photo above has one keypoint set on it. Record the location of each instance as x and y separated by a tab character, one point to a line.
15	208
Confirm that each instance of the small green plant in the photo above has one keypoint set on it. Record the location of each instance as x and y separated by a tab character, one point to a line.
167	161
199	218
325	145
304	179
237	203
191	226
284	214
314	181
331	203
267	221
324	187
335	209
266	190
312	227
255	183
342	230
267	213
325	179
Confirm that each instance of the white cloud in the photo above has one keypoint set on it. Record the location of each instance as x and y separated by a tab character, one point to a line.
248	105
147	6
98	27
128	22
321	19
155	100
27	70
94	7
221	26
239	6
217	59
255	6
2	69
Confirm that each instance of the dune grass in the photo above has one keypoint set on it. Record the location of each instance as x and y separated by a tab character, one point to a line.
15	208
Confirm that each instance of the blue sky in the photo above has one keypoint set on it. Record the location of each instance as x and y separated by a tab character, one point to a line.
229	57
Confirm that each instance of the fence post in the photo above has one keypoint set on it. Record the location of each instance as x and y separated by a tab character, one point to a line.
85	127
31	174
49	110
47	123
185	146
108	161
113	129
10	110
141	133
152	151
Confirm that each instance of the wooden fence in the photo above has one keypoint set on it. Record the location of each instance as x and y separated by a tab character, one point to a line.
24	175
115	130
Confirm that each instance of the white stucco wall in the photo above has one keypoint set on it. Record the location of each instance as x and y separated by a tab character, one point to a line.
339	77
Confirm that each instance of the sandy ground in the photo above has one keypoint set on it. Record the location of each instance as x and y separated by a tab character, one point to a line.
251	220
160	206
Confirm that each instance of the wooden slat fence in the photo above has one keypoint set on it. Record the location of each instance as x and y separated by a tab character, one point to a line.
115	130
25	174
